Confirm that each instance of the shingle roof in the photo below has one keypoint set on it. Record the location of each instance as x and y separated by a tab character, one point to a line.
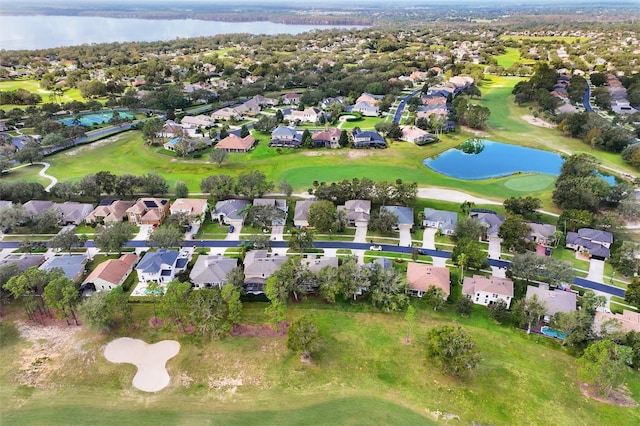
70	264
112	270
556	300
211	269
420	277
152	261
497	285
232	208
404	214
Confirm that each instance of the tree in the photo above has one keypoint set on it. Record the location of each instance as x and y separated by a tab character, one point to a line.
468	228
383	220
303	337
632	295
344	139
286	188
53	139
182	191
219	186
474	253
173	304
12	215
214	310
112	237
300	240
263	216
328	283
515	232
353	278
166	236
30	153
464	306
126	185
106	181
45	221
66	240
435	297
590	302
218	156
452	350
253	184
395	132
529	312
522	205
244	131
29	286
96	312
90	187
62	295
154	184
155	289
498	310
575	325
388	289
65	190
604	365
322	215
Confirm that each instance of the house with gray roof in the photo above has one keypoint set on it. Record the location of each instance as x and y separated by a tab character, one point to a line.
23	261
259	265
280	204
384	263
443	220
34	207
160	266
211	271
404	215
316	263
592	242
72	265
555	300
230	212
490	221
365	108
73	213
357	211
542	233
285	137
368	139
301	214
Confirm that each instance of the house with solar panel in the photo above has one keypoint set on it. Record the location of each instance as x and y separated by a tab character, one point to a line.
148	211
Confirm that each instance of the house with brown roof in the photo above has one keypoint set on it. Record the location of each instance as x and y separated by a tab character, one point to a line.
190	206
291	98
485	291
148	211
109	211
233	143
416	135
225	114
327	138
111	273
421	276
628	321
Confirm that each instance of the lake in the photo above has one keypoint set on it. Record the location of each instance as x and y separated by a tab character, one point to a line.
494	159
42	32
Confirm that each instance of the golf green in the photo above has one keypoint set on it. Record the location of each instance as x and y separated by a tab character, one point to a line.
530	183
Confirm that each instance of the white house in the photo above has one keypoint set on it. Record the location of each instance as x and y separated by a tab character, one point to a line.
160	266
485	291
111	273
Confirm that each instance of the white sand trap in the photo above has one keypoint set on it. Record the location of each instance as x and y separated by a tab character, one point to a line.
152	374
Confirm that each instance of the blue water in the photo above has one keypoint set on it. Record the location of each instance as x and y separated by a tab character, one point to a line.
94	118
496	160
552	333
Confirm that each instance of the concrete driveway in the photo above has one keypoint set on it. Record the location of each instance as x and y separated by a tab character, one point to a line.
361	233
405	235
494	247
235	235
596	271
429	238
143	234
277	232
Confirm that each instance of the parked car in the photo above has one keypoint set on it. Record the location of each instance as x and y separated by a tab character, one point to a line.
375	248
231	228
423	252
547	251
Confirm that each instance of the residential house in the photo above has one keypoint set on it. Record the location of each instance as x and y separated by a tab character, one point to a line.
211	271
258	267
421	276
109	211
383	262
34	207
366	109
443	220
542	234
301	213
285	137
327	138
198	120
308	115
416	135
230	212
171	129
225	113
485	291
357	211
368	139
628	321
490	222
291	99
73	213
555	300
404	215
368	97
110	273
148	211
592	242
326	103
160	266
277	203
189	145
233	143
23	261
72	265
192	206
315	264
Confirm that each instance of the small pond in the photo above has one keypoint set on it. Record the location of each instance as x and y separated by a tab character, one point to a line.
485	159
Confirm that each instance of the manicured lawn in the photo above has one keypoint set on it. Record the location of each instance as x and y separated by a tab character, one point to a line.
510	57
363	375
566	39
33	86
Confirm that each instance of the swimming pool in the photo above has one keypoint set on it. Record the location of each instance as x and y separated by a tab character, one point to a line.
485	159
93	118
552	333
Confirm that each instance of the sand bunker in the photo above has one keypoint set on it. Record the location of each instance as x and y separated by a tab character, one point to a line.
150	359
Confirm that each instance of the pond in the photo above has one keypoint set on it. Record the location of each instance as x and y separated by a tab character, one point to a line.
485	159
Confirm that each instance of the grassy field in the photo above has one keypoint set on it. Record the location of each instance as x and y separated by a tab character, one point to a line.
563	39
33	86
363	375
510	57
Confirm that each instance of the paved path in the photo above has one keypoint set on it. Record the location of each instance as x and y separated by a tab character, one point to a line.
44	174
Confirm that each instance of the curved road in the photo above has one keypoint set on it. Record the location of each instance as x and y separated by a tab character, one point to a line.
398	114
585	98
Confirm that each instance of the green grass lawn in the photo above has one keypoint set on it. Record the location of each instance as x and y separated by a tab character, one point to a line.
510	57
363	375
33	86
566	39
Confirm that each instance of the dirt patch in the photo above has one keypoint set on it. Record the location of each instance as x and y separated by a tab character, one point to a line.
52	345
614	398
93	145
358	153
263	330
475	132
155	322
318	153
535	121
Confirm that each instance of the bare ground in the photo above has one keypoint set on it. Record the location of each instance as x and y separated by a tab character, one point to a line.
538	122
263	330
615	397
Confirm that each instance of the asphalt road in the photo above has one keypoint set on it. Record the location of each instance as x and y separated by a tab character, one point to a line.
604	288
585	99
403	103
